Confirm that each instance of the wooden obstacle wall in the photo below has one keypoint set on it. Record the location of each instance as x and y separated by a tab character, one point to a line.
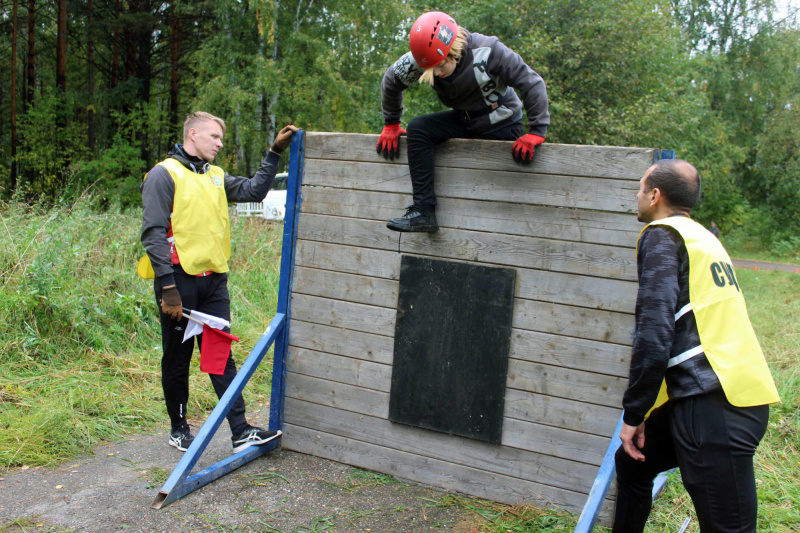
567	225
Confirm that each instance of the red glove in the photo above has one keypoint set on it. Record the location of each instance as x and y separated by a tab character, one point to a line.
525	147
387	143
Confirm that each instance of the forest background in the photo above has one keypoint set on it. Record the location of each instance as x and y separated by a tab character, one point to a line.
94	92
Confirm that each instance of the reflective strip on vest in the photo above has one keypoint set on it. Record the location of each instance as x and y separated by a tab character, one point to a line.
685	356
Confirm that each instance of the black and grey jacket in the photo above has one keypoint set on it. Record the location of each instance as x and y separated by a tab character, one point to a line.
158	192
484	76
666	330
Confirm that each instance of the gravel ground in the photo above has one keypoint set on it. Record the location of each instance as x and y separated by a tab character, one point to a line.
283	491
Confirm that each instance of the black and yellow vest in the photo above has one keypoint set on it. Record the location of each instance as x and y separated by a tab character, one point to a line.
200	224
726	335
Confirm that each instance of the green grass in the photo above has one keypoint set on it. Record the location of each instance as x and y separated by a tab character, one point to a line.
80	341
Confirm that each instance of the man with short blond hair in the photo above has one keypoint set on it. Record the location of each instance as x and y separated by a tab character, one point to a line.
186	233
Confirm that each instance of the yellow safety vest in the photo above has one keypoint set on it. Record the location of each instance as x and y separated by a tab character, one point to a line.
199	220
726	335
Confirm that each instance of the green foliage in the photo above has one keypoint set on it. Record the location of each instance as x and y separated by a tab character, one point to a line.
117	172
47	152
80	351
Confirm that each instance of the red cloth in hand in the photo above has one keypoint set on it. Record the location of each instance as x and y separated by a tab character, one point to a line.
388	142
525	147
215	349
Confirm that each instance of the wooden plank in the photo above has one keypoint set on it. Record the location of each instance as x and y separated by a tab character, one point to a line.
348	259
554	441
551	380
574	192
584	291
571	352
488	248
572	321
341	341
349	380
574	160
339	314
463	479
355	372
503	460
532	346
348	287
498	217
561	412
337	395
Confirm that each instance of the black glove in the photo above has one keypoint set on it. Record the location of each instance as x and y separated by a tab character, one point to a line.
171	304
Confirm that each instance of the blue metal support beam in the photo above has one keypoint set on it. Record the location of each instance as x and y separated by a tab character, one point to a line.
180	483
597	495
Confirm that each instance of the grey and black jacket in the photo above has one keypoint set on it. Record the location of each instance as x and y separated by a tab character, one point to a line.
665	328
158	192
486	74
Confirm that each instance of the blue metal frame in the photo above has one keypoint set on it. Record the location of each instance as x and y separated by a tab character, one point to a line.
597	495
180	483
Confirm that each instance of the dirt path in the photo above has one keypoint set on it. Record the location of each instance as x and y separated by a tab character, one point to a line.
280	492
765	265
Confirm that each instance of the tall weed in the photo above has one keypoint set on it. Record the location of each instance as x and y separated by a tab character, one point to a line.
80	341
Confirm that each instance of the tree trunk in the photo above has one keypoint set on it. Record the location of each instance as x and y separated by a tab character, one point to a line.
14	99
61	47
175	56
115	48
90	74
31	80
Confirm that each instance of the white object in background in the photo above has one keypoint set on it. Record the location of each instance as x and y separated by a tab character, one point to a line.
273	207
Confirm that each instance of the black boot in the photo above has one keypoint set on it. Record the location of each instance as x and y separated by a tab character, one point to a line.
415	219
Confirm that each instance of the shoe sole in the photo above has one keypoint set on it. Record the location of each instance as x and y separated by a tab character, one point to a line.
415	229
177	446
249	443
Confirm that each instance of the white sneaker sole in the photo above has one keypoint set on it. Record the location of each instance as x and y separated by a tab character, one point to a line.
249	443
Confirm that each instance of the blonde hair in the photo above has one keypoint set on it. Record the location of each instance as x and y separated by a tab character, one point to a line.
453	55
193	119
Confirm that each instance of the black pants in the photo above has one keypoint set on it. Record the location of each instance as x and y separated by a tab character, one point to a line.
713	443
427	131
208	294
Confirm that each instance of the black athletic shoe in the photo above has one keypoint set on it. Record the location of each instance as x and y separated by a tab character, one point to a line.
252	436
181	438
414	220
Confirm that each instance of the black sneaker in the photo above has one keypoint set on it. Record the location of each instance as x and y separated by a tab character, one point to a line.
181	438
252	436
414	220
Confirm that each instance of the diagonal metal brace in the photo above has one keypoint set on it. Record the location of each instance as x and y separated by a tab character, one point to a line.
179	483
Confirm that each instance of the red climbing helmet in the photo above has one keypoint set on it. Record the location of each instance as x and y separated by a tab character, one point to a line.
431	37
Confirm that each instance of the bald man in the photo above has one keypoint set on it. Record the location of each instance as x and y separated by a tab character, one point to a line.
700	389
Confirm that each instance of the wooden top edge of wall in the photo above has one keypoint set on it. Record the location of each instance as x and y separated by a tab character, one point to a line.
613	162
373	138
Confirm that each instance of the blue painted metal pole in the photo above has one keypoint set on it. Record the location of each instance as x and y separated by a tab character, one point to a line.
600	486
281	351
168	492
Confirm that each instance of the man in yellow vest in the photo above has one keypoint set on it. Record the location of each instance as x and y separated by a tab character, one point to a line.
700	389
186	234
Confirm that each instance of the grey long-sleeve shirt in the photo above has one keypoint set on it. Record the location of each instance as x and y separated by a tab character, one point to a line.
487	73
158	192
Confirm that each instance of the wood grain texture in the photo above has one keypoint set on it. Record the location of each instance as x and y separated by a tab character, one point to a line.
569	159
575	192
488	248
569	224
542	285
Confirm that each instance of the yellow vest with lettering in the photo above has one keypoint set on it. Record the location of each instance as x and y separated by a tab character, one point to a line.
199	220
726	335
